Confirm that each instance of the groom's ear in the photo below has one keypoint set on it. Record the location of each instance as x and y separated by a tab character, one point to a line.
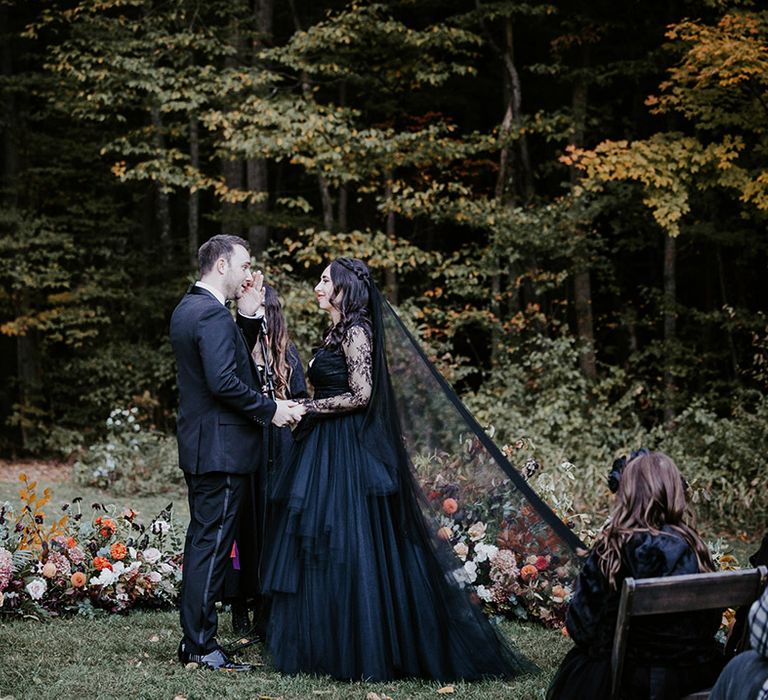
221	265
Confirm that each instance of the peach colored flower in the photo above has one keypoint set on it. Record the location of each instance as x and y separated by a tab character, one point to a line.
77	579
450	506
477	531
100	563
461	550
49	569
118	550
444	533
528	572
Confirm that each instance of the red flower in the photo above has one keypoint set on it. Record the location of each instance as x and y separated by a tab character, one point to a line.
100	563
450	506
541	563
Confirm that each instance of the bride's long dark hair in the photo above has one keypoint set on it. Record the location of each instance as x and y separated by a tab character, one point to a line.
352	287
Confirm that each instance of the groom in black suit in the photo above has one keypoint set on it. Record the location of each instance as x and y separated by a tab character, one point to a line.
220	426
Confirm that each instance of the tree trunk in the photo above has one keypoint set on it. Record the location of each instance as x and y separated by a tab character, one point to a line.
10	164
232	168
258	181
163	208
582	283
724	301
390	274
670	326
193	235
343	204
526	176
256	169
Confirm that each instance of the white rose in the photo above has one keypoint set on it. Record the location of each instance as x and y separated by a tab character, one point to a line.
36	588
471	571
118	569
484	594
461	550
154	577
151	555
484	551
105	578
164	568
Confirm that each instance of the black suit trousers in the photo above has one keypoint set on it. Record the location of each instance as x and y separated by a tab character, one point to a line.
214	501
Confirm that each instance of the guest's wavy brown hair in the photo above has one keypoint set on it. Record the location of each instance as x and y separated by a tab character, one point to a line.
278	342
651	496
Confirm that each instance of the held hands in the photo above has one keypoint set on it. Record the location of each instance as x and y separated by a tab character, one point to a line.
250	297
288	413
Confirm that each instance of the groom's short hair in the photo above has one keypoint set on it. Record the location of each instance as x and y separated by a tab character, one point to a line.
220	246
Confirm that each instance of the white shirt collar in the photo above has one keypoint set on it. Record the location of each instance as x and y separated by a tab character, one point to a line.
213	291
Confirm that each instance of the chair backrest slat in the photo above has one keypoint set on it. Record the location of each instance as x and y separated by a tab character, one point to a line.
671	594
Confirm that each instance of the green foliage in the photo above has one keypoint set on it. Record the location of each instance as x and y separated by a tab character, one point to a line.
132	458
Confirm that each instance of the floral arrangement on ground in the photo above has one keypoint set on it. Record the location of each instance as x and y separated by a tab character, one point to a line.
108	562
514	563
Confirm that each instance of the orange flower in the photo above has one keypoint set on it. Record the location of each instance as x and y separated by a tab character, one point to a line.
71	542
100	563
118	550
450	506
77	579
107	528
528	572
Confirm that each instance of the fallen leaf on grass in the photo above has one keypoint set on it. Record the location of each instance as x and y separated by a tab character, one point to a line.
191	666
270	697
179	697
373	696
446	690
154	638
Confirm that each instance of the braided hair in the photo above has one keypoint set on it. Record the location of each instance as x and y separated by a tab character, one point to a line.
352	290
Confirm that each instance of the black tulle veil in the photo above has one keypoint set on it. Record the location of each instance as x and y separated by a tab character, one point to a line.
414	414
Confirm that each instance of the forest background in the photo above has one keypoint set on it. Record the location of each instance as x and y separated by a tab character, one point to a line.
566	201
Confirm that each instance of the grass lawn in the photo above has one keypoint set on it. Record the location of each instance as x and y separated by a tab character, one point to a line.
133	656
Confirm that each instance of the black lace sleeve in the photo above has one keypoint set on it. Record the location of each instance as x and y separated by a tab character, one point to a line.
357	352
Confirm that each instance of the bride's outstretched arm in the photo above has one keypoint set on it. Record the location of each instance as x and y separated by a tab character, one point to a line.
357	351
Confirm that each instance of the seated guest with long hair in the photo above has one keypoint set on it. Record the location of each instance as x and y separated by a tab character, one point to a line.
649	533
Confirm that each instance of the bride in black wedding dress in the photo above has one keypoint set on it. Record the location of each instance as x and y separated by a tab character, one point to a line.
360	587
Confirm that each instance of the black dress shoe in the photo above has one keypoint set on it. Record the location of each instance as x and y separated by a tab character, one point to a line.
241	621
216	660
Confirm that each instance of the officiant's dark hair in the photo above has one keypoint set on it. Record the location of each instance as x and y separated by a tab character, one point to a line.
220	246
279	340
352	286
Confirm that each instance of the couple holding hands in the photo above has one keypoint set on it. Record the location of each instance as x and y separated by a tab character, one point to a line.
355	583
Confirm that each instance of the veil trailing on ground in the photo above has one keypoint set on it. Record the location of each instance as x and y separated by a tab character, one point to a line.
487	525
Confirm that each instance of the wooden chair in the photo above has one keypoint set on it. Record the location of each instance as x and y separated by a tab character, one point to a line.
672	594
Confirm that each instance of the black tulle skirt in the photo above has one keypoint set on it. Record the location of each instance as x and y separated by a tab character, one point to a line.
354	595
